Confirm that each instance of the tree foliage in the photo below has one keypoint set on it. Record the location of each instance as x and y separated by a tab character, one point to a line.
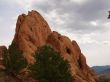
50	66
14	60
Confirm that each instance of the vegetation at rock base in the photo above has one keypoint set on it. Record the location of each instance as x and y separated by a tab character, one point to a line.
50	66
14	60
104	80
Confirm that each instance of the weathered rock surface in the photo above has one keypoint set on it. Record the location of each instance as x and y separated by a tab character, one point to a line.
32	31
2	50
71	51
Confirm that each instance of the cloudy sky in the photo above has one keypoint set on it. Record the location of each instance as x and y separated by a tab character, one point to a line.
82	20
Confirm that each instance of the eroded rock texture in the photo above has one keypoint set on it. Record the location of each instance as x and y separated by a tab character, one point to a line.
32	31
2	51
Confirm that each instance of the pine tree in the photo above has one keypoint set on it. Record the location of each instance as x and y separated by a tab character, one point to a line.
50	66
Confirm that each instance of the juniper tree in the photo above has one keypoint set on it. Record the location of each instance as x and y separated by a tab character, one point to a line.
50	66
14	60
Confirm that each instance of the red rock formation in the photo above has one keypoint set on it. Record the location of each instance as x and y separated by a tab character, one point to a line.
32	31
2	50
71	51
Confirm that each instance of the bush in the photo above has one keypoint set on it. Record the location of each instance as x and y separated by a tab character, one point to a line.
50	66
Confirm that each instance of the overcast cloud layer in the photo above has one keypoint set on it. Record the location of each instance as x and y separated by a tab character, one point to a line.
82	20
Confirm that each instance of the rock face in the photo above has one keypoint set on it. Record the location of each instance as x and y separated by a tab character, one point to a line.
71	51
2	50
32	31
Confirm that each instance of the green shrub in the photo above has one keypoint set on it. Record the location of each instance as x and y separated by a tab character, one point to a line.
50	66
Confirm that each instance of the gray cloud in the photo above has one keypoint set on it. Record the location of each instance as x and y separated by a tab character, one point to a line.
79	16
94	9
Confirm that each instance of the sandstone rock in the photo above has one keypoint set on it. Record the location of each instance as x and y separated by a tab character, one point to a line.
71	51
2	50
32	31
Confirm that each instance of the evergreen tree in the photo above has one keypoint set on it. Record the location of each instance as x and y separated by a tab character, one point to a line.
50	66
14	60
